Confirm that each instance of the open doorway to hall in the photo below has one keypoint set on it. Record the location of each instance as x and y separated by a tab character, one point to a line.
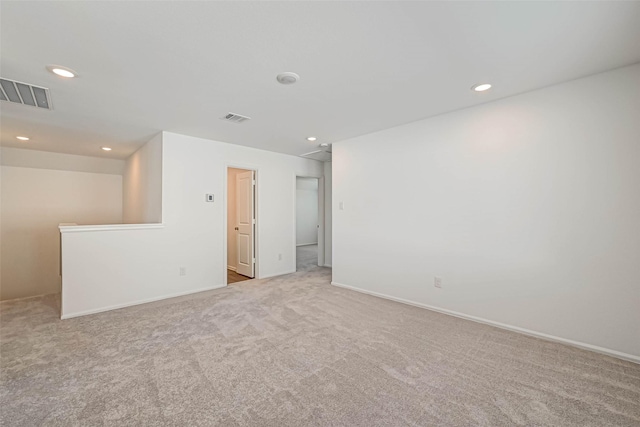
241	225
308	223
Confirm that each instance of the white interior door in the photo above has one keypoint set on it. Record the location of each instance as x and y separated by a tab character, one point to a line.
245	226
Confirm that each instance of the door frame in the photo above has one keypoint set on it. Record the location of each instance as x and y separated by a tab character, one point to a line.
321	219
256	207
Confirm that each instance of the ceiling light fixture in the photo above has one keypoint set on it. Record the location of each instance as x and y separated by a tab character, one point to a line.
311	138
106	148
287	78
22	138
481	87
62	71
324	145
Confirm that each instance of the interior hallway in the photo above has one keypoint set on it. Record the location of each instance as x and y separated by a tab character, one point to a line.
306	259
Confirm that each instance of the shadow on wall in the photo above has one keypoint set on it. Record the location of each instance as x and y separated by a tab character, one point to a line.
142	184
306	211
36	198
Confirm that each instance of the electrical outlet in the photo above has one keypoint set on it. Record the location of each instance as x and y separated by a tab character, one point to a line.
279	257
183	271
437	282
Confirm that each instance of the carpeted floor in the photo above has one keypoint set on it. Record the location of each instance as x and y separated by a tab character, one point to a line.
306	257
296	351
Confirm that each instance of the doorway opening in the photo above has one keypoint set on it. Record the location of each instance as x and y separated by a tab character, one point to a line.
241	225
309	228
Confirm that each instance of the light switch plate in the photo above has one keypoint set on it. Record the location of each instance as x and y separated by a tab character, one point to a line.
209	197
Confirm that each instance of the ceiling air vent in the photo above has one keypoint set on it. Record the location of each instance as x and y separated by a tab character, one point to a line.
320	155
25	94
235	118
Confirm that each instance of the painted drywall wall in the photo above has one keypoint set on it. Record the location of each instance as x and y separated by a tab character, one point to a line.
108	269
34	202
1	160
328	229
528	209
232	244
306	211
142	184
30	158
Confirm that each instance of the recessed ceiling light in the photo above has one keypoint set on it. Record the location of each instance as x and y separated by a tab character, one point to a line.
22	138
311	138
287	78
324	145
62	71
481	87
106	148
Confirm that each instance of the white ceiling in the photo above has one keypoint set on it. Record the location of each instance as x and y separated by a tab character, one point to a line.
364	66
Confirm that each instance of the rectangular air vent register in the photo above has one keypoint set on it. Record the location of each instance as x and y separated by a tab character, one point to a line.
235	118
25	94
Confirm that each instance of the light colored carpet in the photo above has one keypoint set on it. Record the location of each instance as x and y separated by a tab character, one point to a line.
306	257
296	351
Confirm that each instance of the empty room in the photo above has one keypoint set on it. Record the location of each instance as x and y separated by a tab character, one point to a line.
311	213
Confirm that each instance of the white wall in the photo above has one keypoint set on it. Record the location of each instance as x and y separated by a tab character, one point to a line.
328	229
306	211
142	185
107	269
1	159
527	207
232	242
30	158
35	201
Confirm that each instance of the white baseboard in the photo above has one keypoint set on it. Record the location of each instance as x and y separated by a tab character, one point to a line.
584	346
306	244
24	298
328	265
232	268
277	274
144	301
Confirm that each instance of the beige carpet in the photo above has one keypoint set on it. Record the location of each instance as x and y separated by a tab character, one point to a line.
306	257
296	351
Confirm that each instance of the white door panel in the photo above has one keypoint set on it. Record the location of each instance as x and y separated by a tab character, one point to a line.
243	249
245	228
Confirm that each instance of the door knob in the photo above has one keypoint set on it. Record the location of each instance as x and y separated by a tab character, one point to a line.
237	228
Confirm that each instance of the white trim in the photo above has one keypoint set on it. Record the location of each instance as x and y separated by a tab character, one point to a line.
145	301
232	268
328	265
275	275
109	227
306	244
584	346
322	225
23	298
